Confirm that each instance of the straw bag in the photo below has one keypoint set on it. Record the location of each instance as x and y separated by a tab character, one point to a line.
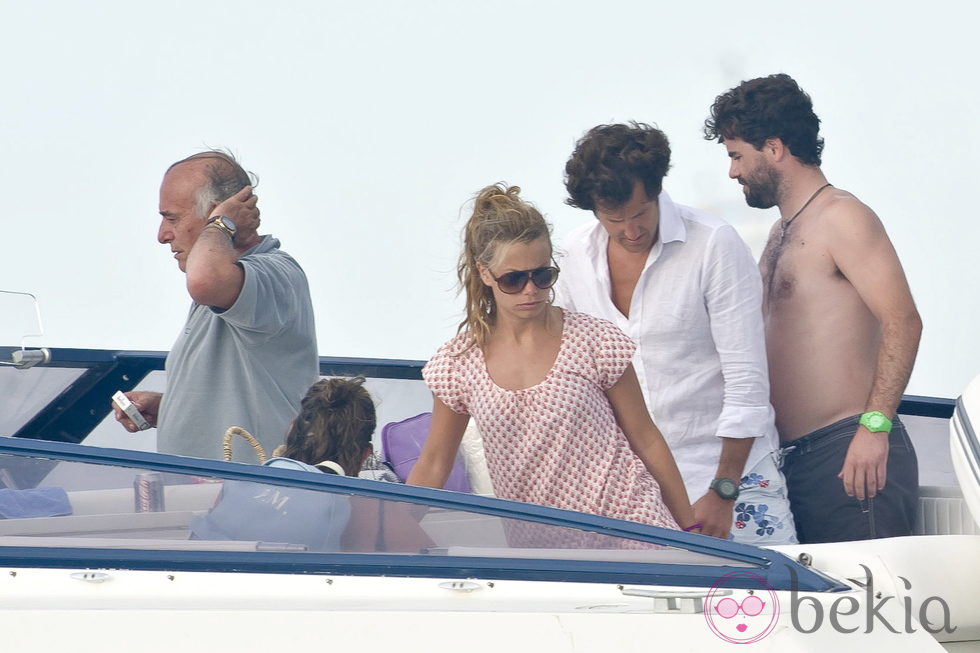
237	430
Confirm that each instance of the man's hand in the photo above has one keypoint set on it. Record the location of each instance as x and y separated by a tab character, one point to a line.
241	208
864	467
715	515
148	403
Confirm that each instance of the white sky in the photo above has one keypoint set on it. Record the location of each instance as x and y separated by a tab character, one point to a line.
370	124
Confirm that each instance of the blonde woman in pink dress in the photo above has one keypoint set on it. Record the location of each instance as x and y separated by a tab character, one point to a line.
553	392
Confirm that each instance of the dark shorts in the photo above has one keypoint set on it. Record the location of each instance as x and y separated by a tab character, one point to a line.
824	512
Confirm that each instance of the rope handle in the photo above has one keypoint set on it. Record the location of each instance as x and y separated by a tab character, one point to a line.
237	430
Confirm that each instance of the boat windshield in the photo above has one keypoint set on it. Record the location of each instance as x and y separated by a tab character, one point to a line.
51	503
26	392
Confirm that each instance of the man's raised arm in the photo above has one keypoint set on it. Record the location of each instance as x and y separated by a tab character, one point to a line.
214	277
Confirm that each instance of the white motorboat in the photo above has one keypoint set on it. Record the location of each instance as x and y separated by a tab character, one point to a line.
108	549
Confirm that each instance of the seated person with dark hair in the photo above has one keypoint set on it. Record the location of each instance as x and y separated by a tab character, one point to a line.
333	431
332	434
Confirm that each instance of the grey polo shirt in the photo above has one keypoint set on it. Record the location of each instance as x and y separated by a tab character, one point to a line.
248	366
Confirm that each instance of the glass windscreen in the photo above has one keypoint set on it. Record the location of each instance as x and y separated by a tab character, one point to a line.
23	393
47	503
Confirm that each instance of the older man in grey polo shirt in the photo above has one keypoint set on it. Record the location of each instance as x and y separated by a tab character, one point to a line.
247	353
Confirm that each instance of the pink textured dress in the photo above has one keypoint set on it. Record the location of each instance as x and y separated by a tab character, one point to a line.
556	443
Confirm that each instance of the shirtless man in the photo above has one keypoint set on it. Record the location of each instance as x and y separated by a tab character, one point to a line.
841	327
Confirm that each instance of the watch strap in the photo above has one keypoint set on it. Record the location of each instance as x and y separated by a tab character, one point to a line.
218	222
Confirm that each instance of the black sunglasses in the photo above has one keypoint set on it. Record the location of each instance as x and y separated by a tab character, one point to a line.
514	282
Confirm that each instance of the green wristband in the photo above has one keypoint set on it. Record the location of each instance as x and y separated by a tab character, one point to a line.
876	422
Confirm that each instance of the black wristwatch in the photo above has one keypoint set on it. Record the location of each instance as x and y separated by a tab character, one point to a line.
225	225
726	488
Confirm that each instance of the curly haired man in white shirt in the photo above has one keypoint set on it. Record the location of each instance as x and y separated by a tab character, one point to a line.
685	287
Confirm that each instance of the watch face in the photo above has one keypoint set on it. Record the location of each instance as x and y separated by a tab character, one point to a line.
876	421
726	488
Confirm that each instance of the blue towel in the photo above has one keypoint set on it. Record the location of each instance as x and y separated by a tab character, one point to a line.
39	502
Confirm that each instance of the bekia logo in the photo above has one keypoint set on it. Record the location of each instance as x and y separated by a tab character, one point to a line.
748	614
933	614
741	617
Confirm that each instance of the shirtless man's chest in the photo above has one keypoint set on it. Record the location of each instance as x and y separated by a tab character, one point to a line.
821	338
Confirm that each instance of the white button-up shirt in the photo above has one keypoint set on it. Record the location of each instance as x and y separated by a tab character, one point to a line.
696	316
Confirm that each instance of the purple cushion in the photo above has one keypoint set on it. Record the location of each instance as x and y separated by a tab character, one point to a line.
401	444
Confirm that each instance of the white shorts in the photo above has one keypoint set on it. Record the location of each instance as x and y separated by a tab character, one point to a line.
762	515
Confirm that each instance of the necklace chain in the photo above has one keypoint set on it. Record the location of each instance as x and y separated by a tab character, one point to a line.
787	223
